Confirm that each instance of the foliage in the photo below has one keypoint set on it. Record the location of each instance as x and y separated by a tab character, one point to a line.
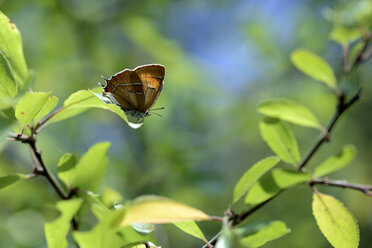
80	183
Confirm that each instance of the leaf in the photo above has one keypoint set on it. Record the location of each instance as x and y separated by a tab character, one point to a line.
11	179
290	111
157	210
11	47
274	182
344	35
252	175
190	227
48	106
280	139
8	84
91	168
256	235
228	239
29	106
56	231
66	166
335	221
337	162
314	66
83	100
104	234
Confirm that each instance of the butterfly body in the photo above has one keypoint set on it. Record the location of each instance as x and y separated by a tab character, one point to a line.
136	91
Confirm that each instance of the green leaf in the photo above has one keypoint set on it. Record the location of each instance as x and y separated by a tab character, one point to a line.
190	227
314	66
280	139
66	166
337	162
91	168
229	239
274	182
335	221
345	35
56	231
48	106
11	47
105	234
8	84
256	235
29	106
290	111
11	179
83	100
252	175
100	236
157	210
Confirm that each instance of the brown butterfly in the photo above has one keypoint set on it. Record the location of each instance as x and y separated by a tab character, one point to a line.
136	91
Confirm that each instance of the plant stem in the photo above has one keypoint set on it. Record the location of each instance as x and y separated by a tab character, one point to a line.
342	107
366	189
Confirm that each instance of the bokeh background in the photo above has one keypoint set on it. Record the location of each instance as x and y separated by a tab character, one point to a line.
222	59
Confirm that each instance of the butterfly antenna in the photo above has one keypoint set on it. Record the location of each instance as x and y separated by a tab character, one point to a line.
158	108
157	114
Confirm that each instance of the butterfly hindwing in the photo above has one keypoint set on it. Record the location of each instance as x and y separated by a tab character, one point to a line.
152	77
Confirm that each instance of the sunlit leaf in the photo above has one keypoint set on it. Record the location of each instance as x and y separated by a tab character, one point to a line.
30	105
66	166
56	231
8	84
228	239
314	66
100	236
280	139
91	168
335	221
11	47
156	210
11	179
48	106
191	228
290	111
336	162
83	100
252	175
111	197
274	182
256	235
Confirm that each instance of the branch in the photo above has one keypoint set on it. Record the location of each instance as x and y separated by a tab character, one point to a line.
366	189
341	108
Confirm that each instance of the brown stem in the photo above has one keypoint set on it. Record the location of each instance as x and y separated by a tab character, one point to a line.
342	107
366	189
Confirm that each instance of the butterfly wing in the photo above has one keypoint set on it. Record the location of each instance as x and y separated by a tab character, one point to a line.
152	77
126	88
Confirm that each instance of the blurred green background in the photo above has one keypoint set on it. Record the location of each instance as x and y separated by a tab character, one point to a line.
222	59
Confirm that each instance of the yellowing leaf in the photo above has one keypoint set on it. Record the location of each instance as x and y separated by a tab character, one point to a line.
335	221
314	66
156	210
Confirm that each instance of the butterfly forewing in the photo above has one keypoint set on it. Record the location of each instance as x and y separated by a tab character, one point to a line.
152	77
126	88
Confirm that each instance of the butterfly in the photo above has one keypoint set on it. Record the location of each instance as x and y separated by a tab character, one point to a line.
135	91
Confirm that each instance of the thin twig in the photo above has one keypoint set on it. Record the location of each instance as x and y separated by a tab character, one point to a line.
342	107
366	189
